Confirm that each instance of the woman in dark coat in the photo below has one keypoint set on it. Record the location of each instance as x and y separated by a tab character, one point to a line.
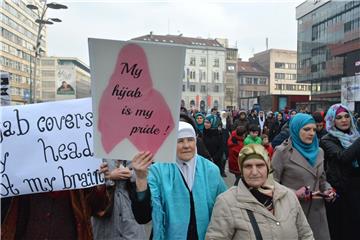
214	143
200	146
342	154
275	128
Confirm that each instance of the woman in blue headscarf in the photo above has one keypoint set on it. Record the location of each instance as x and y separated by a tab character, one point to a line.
298	163
199	121
342	150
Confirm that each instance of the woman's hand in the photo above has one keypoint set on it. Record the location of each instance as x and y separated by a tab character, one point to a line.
303	193
120	173
141	163
104	168
330	195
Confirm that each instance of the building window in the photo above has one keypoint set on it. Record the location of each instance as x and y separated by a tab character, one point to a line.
262	81
216	76
216	88
192	75
192	103
202	88
248	80
256	81
192	88
203	62
202	75
231	68
279	65
183	88
282	65
192	61
279	75
216	62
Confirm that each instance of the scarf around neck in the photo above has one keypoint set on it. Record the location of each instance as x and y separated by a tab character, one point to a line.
308	151
346	139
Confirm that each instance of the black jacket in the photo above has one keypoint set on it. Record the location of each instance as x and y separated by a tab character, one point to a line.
338	161
214	143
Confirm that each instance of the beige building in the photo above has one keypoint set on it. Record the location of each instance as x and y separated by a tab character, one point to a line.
18	37
64	78
282	67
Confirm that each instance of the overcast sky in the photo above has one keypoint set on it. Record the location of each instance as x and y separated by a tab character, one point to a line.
244	23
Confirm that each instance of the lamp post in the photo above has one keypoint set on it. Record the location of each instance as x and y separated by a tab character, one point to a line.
41	21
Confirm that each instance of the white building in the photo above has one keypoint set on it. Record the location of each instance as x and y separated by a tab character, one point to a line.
204	71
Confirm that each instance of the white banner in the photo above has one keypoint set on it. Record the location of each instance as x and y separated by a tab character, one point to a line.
47	147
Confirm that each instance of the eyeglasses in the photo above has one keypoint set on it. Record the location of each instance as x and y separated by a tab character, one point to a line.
339	117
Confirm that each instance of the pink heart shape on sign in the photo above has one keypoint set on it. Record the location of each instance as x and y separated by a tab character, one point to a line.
131	108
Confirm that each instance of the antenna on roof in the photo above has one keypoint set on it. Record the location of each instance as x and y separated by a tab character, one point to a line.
267	43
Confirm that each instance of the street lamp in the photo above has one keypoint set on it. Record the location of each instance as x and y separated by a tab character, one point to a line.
41	21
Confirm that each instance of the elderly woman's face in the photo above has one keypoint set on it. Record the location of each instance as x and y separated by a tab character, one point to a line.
307	133
185	148
343	121
254	172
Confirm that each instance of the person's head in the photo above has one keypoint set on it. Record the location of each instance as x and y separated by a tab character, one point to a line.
207	123
186	142
186	118
339	118
293	113
279	116
319	121
214	111
242	114
254	130
241	131
261	114
199	118
269	114
183	110
253	112
303	128
223	115
254	165
265	139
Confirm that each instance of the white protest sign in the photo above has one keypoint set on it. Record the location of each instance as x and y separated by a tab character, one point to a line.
136	90
47	147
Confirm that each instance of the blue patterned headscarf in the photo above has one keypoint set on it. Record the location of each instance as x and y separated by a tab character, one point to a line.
308	151
346	139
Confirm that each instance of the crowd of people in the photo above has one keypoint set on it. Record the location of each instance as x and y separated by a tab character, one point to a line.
297	176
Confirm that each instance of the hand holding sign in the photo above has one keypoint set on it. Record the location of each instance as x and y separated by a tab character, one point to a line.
138	110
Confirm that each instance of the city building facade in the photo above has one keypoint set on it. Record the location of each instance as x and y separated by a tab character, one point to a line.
204	70
328	47
64	78
283	86
17	56
253	81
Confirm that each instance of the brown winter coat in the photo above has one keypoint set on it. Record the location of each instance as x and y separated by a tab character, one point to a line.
84	202
229	218
292	170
